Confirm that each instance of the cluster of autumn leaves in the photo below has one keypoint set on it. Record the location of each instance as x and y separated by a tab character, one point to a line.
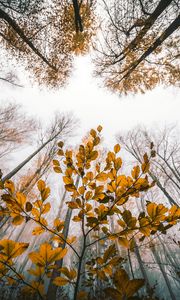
102	194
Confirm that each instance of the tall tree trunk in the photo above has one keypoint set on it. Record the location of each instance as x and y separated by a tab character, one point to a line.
77	17
161	267
52	289
141	265
21	165
170	199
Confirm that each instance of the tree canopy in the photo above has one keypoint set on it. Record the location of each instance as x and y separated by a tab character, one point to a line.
139	48
45	35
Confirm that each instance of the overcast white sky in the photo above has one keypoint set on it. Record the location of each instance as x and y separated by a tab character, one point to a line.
94	105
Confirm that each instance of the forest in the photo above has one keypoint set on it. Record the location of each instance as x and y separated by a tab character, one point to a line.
82	217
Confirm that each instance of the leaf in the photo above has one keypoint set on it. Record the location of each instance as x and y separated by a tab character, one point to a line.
68	180
76	219
120	279
93	133
60	144
60	152
81	190
38	230
73	205
151	209
28	206
18	220
145	167
56	162
60	281
88	195
12	249
93	155
21	199
117	148
102	177
99	128
45	193
123	242
117	163
111	251
10	186
133	286
46	208
145	157
41	185
57	169
56	254
135	172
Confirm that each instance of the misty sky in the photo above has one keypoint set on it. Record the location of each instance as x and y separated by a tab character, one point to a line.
94	105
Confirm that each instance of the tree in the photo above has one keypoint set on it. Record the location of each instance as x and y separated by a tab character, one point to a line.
103	192
45	35
164	146
15	128
139	49
61	127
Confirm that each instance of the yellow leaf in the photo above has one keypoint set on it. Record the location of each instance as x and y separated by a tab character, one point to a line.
76	219
145	157
133	286
89	175
38	230
145	167
88	195
60	152
81	190
45	193
35	213
56	162
68	180
117	148
117	163
9	185
57	169
93	155
71	240
41	185
21	199
70	187
56	254
99	128
17	220
123	242
73	205
135	172
93	133
60	281
110	252
102	177
120	279
151	209
12	249
46	208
